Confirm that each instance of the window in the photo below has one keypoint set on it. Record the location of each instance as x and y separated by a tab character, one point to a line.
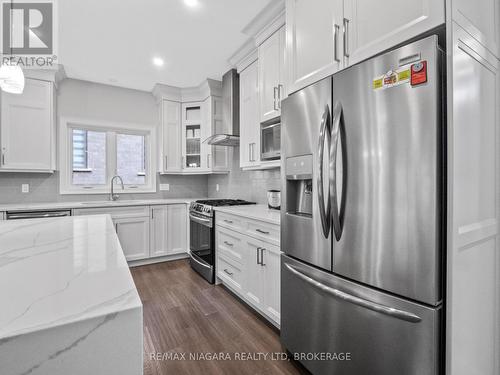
131	158
92	153
89	157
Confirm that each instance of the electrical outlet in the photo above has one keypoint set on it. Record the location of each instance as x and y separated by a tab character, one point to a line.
164	187
25	188
217	187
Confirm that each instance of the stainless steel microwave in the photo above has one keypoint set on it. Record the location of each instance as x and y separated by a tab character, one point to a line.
270	138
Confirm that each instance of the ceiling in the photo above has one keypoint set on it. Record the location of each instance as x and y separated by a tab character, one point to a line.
114	41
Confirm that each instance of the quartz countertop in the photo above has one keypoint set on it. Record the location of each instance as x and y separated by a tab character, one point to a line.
91	204
60	271
258	212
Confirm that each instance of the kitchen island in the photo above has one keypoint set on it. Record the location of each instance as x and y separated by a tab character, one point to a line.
69	304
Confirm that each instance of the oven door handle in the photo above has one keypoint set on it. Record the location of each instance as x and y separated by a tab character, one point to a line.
199	220
197	261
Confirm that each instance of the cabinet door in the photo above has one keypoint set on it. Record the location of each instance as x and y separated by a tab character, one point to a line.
271	62
371	28
473	261
168	230
219	155
249	117
26	130
171	123
254	272
159	231
176	229
272	281
481	19
192	118
133	234
314	31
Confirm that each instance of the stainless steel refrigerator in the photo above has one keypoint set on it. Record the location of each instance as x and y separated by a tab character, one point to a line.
363	215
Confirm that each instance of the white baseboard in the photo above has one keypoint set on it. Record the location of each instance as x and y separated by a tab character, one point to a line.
167	258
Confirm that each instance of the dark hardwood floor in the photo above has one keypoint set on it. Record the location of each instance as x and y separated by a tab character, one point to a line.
184	314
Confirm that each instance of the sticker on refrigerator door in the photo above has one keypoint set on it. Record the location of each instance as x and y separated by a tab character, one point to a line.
419	73
392	78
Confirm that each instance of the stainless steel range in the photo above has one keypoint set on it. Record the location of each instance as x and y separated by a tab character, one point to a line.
202	234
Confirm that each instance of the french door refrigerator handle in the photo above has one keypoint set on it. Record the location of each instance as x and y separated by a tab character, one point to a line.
336	135
324	213
383	309
346	37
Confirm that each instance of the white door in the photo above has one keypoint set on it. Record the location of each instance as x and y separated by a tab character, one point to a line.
473	258
172	151
271	63
26	129
176	229
159	231
314	32
249	117
133	234
193	115
271	259
481	19
254	272
219	157
372	27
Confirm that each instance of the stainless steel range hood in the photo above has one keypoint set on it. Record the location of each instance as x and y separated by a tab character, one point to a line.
230	111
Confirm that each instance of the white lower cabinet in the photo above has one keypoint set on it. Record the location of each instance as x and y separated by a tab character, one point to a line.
148	232
133	234
248	265
168	230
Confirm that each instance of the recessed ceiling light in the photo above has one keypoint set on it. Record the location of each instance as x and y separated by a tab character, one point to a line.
191	3
158	61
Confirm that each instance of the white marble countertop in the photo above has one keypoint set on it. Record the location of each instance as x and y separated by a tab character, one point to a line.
258	212
60	271
91	204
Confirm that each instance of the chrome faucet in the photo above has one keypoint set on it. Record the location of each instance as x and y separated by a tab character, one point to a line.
113	196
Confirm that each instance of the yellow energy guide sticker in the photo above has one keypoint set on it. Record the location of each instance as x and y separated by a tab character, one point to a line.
392	78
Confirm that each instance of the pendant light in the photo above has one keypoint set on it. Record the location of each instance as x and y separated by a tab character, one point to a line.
11	76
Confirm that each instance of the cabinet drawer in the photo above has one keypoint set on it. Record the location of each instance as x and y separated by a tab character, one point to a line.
229	221
115	212
230	273
229	244
264	231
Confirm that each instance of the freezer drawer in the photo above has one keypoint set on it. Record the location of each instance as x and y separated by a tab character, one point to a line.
383	334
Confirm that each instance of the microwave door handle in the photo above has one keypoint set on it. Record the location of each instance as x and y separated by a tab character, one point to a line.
324	212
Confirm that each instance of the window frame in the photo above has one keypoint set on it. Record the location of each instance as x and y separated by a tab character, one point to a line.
67	124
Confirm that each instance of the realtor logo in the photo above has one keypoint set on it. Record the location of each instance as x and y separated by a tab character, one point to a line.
28	33
27	28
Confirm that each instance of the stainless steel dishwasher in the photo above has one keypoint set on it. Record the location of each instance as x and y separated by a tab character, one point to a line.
17	215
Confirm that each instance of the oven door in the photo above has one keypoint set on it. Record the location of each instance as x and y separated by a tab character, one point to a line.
201	245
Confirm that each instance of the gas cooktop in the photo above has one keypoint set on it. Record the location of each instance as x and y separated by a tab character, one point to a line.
205	206
224	202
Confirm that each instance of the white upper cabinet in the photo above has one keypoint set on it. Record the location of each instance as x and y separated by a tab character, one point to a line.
481	19
171	137
249	117
191	136
314	40
271	75
217	157
27	130
371	27
324	36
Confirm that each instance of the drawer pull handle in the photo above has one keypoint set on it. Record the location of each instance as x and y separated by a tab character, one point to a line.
228	243
229	273
261	231
228	221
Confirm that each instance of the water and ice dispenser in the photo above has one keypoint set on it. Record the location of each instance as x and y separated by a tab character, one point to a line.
299	189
